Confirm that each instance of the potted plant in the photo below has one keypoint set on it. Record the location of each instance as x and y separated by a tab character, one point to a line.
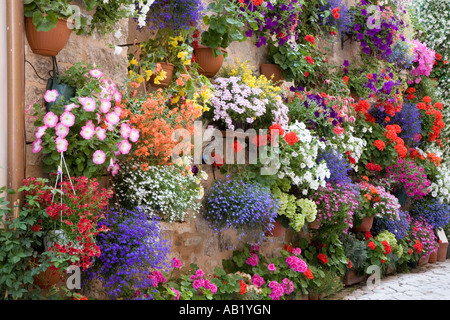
49	23
246	207
227	23
356	252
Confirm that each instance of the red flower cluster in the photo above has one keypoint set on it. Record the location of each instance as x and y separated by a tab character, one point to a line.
310	39
391	134
387	247
243	287
335	12
308	273
418	246
309	59
291	138
373	166
371	245
322	258
410	92
379	144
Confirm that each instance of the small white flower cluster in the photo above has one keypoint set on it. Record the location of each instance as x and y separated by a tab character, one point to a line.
167	191
441	188
346	142
138	9
300	165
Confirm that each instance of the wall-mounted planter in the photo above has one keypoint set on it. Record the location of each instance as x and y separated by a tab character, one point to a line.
47	43
270	70
208	64
168	68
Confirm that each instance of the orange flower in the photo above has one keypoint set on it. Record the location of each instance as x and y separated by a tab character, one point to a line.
379	144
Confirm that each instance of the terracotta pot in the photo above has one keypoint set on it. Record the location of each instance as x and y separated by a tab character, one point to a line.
314	225
313	297
48	278
277	230
355	96
433	257
268	70
47	43
208	64
423	260
168	68
442	252
366	225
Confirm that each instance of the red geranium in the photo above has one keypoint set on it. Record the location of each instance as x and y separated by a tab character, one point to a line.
322	258
371	245
309	59
273	128
379	144
308	273
311	39
291	138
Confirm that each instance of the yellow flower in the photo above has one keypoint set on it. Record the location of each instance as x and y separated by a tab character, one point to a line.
187	62
182	55
133	62
173	42
175	100
148	74
206	109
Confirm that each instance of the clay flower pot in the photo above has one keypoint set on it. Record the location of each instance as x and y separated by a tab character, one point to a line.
48	278
442	251
433	257
268	70
168	68
277	230
208	64
366	225
423	260
47	43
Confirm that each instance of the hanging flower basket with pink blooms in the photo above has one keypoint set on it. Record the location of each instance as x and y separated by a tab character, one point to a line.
90	129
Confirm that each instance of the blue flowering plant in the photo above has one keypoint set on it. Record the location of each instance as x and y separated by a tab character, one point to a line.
402	55
337	164
244	206
336	15
131	250
435	212
399	227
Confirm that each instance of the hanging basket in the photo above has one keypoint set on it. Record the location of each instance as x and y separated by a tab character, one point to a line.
47	43
208	64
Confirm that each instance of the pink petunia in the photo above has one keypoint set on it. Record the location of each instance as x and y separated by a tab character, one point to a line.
50	120
99	157
40	132
112	118
125	130
61	144
37	146
61	130
67	119
124	147
70	107
96	73
87	132
134	135
101	133
89	104
51	96
105	105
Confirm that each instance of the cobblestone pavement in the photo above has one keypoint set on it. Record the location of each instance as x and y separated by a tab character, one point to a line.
428	282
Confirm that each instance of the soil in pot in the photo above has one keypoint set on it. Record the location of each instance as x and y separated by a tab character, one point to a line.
47	43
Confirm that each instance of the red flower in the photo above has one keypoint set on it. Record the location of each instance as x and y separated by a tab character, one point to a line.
418	246
371	245
349	264
322	258
288	248
438	57
308	273
311	39
276	127
369	76
237	146
345	79
387	247
306	74
368	235
243	287
291	138
257	2
309	59
379	144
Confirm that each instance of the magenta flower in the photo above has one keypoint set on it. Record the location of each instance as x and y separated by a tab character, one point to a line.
99	157
252	260
271	267
176	263
258	281
177	293
51	96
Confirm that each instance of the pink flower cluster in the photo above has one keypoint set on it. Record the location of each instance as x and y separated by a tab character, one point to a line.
424	60
253	259
411	177
280	289
200	282
258	281
156	277
296	264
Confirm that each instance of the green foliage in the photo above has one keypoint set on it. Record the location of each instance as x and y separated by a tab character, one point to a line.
355	250
19	244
